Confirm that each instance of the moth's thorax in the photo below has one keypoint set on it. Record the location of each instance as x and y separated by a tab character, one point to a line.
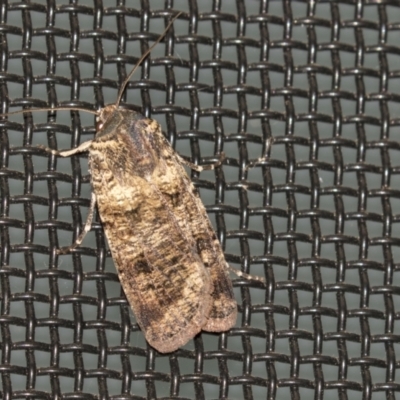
125	142
112	120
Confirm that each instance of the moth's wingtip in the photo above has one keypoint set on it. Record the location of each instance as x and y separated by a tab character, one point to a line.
169	346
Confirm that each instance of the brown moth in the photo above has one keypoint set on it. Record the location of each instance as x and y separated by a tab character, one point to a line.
169	260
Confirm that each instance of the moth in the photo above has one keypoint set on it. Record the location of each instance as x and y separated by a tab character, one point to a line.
169	260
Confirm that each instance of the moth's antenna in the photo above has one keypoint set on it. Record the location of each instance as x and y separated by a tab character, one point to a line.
123	86
49	109
121	91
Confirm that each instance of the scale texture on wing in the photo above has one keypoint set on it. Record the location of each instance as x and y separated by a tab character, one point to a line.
193	220
169	260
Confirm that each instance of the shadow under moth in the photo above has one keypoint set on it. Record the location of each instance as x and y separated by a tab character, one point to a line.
169	260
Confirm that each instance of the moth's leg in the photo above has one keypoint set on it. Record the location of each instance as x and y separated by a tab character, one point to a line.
86	229
66	153
200	168
262	159
253	164
241	274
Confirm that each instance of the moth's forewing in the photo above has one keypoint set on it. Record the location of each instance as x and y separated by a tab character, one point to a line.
191	215
162	274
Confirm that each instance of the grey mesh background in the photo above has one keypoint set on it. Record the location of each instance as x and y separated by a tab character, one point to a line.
311	88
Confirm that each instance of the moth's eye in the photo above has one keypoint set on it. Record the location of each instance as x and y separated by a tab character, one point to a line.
99	125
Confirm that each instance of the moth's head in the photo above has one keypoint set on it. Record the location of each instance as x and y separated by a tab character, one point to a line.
103	115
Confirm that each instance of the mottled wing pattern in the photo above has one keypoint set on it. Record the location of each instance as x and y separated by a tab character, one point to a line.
178	190
169	260
163	277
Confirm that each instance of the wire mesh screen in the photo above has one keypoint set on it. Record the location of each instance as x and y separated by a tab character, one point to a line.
302	99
